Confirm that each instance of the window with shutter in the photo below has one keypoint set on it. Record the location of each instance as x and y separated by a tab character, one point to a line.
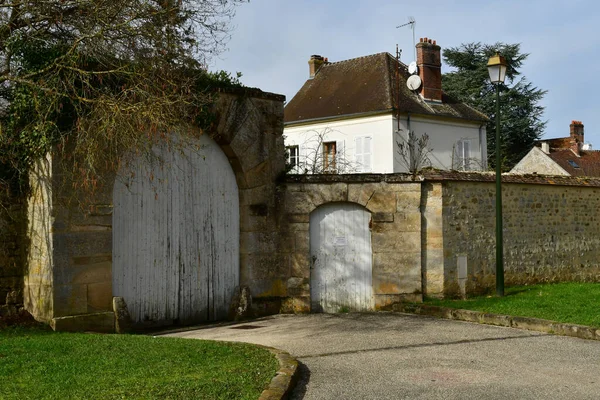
463	155
329	157
293	155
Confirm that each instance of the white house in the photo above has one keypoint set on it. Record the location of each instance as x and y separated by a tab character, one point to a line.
350	116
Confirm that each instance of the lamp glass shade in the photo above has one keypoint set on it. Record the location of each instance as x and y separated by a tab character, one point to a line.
497	68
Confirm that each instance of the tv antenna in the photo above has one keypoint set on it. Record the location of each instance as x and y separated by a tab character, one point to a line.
412	23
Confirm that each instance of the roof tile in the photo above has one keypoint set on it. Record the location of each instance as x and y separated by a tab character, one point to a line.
366	85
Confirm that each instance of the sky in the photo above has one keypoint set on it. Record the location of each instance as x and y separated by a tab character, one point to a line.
272	40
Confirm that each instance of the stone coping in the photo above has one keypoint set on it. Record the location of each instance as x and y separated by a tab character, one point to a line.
252	92
285	378
532	324
444	176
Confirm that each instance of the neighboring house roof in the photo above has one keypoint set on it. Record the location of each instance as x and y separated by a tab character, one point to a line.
366	85
587	164
538	162
562	156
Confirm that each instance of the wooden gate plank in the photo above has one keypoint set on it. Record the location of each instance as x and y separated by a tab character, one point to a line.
176	235
341	274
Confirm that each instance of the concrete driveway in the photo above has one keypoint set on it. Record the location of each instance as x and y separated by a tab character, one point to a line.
398	356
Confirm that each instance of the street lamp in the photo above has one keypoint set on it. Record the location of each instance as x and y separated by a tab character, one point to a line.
497	70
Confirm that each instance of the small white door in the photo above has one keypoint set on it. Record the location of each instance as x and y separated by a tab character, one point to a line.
176	234
341	258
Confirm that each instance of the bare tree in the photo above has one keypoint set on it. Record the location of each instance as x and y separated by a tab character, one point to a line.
104	76
414	152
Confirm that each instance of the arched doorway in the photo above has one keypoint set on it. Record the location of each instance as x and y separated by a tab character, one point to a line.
341	258
176	234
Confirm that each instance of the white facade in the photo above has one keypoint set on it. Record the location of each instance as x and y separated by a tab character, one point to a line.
369	144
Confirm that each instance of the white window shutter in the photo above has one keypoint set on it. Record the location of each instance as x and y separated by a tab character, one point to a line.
358	148
367	167
340	157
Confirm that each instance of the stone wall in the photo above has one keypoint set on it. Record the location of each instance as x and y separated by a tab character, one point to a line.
69	280
394	203
551	232
12	220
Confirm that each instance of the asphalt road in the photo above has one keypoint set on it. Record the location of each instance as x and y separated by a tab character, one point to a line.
398	356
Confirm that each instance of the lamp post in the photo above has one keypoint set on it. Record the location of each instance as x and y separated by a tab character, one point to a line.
497	69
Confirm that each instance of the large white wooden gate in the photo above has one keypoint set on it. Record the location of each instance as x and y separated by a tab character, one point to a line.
341	258
176	234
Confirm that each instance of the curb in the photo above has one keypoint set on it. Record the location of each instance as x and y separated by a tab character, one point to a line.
285	379
532	324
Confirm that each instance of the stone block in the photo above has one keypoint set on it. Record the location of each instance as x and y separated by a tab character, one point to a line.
295	218
258	242
123	323
408	202
91	273
299	203
382	202
252	223
299	226
394	283
96	322
70	300
326	193
99	296
302	242
298	287
398	264
382	217
263	266
75	244
295	305
259	175
408	221
362	193
384	242
256	195
300	264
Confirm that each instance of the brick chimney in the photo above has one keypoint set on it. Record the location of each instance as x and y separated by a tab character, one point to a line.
576	136
314	64
429	62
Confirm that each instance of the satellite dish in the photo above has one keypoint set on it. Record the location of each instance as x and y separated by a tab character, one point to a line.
412	68
413	82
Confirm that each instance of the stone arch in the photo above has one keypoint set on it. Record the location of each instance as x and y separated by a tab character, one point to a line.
253	148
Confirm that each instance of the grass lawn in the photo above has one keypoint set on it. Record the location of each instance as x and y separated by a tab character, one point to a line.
36	363
576	303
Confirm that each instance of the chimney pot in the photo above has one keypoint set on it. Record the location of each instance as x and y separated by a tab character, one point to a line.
315	62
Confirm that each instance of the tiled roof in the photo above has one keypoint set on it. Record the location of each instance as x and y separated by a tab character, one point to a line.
587	164
366	85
